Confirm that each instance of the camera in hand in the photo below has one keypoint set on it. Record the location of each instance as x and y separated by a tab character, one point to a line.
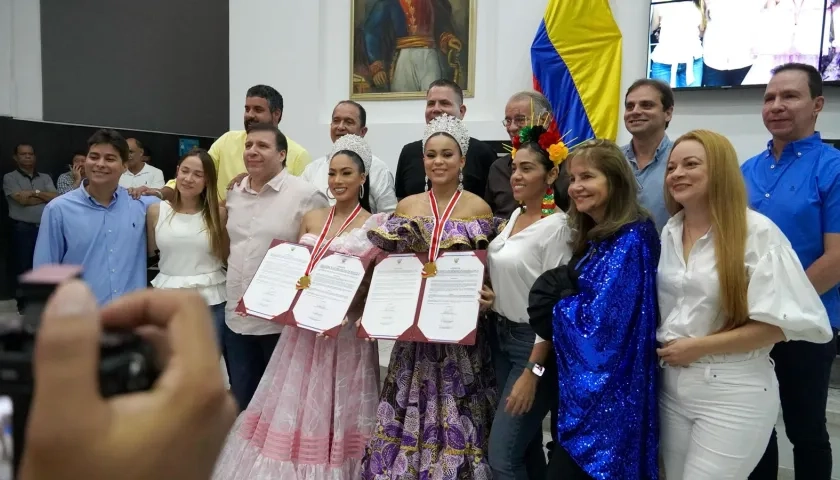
126	361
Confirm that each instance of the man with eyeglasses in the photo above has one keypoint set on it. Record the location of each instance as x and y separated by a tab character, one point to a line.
523	109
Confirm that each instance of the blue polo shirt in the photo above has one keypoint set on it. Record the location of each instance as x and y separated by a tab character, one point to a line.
108	242
801	194
651	180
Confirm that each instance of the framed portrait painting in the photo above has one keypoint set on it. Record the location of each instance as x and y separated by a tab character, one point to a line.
399	47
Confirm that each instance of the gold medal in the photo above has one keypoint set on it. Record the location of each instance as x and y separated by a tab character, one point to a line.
304	282
429	269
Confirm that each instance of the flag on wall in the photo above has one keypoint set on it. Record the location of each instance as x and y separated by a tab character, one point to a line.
576	60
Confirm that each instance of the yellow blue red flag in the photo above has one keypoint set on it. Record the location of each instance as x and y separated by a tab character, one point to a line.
576	60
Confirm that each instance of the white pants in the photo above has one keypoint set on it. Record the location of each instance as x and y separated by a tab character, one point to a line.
716	418
416	68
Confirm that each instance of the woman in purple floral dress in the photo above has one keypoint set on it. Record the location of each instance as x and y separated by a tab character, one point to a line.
438	401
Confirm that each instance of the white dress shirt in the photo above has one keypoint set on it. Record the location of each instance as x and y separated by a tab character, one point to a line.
778	292
679	38
382	197
731	33
515	262
148	176
254	220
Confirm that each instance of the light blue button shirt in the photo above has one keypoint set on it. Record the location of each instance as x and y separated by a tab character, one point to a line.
652	180
108	242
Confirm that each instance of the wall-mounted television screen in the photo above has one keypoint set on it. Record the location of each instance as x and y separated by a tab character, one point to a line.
730	43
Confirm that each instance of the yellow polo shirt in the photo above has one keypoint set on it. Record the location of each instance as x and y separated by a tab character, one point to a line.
228	155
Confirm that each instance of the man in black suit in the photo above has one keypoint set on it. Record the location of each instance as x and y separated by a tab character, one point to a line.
443	96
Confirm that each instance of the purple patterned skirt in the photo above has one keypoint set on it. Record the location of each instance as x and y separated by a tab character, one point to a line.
434	414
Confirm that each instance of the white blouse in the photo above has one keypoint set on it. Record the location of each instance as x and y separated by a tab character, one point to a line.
515	262
778	292
186	260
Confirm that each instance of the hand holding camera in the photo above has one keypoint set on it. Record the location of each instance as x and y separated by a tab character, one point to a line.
173	430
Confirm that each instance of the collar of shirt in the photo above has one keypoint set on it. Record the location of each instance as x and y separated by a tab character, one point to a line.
34	175
275	183
114	197
142	171
795	149
664	146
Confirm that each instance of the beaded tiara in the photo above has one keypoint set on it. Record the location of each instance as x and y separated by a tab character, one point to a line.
451	126
355	144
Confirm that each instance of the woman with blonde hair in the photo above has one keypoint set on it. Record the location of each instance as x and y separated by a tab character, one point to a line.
729	287
604	329
190	234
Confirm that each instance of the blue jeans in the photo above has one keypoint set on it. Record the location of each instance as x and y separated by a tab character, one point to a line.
662	71
24	236
516	451
218	312
247	358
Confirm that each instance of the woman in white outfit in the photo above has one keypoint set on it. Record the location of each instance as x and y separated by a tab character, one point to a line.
730	286
190	234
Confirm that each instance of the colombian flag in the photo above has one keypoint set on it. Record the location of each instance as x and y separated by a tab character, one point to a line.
576	59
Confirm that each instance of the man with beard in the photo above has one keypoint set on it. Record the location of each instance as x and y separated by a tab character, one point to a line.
648	107
263	104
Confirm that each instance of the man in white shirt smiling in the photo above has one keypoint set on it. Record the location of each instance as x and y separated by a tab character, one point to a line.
350	117
138	173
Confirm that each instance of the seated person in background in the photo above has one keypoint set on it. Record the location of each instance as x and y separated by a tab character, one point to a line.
263	104
137	172
443	96
350	117
73	178
524	109
99	226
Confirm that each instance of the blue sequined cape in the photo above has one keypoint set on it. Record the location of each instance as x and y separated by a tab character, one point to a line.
605	340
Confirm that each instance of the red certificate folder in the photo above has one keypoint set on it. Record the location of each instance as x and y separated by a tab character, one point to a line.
413	333
288	317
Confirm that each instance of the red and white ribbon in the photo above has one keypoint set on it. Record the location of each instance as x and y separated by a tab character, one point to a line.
437	228
322	246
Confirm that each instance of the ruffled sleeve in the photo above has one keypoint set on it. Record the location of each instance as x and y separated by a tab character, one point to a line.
779	293
399	233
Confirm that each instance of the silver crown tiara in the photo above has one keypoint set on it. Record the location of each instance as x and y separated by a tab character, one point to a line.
451	126
355	144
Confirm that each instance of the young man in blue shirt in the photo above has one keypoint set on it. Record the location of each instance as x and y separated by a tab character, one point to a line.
98	225
796	183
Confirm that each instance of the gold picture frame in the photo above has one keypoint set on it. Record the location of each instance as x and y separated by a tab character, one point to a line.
462	13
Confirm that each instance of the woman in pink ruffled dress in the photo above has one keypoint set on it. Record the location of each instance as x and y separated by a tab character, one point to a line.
315	407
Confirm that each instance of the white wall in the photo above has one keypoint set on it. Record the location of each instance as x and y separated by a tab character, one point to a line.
20	59
306	57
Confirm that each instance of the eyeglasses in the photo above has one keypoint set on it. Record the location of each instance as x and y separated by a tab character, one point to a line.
519	121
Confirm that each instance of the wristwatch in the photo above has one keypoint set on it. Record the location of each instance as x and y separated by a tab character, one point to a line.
535	368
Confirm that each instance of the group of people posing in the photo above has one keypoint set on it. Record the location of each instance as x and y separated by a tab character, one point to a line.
635	294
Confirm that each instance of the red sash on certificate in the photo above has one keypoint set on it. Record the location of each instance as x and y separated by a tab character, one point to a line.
321	247
430	269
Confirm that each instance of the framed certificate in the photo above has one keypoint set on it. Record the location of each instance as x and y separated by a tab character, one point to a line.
274	295
403	305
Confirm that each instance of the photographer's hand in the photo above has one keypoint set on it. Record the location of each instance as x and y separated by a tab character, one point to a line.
174	431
